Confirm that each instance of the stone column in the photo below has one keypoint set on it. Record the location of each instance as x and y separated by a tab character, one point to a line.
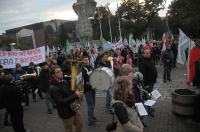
84	9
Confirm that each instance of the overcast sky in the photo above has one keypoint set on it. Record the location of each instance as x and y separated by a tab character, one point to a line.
16	13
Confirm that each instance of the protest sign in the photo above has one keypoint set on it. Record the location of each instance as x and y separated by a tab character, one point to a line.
8	59
156	94
141	109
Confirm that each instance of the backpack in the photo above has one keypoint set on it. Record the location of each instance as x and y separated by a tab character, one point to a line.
196	81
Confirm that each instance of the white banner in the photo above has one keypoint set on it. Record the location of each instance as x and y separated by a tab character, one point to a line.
8	59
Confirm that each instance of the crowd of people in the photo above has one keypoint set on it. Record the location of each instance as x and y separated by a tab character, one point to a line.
53	83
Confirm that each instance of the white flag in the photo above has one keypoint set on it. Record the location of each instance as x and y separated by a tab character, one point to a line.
183	45
126	42
47	51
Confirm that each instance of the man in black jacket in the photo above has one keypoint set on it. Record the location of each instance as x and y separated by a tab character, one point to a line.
168	59
148	69
44	79
6	115
63	97
12	99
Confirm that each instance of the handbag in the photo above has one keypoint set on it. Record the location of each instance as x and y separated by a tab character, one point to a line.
112	126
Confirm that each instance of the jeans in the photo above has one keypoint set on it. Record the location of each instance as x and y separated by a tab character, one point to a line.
90	99
73	121
109	99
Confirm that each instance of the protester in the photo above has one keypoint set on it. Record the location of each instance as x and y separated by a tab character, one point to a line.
89	90
129	59
12	99
22	83
105	63
124	106
194	65
33	81
168	61
44	79
174	49
148	69
61	93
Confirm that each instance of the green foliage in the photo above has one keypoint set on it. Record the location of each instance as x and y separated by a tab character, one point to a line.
22	46
104	18
185	17
136	17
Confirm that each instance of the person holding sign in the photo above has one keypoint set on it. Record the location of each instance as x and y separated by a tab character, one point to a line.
124	106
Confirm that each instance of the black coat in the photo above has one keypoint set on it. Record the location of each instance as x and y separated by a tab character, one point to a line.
63	97
44	78
1	100
168	58
148	69
11	97
32	81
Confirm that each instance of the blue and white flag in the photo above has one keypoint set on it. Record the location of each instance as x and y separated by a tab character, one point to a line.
106	46
184	43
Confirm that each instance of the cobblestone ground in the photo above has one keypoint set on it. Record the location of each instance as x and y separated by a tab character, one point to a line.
37	119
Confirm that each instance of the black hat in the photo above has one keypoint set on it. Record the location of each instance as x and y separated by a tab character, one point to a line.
18	65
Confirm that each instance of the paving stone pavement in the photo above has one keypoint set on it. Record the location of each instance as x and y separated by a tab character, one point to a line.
37	119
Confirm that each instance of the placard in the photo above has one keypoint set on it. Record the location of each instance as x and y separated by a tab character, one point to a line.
8	59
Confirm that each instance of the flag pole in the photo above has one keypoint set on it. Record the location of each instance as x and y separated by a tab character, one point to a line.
109	21
188	68
120	33
100	22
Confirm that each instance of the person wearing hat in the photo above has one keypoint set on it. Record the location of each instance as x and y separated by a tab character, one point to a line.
21	82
